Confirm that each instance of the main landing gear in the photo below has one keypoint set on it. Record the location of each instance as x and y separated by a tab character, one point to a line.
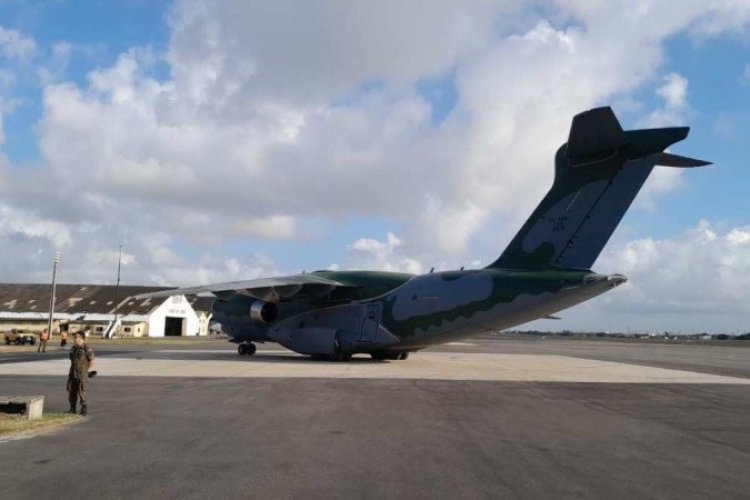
331	357
393	356
246	349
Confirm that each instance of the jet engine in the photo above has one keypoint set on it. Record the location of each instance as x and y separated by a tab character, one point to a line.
264	312
242	310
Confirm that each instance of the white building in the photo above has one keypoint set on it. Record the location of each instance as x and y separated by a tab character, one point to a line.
98	307
172	316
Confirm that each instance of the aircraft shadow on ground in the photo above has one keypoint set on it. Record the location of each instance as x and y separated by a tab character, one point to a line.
280	357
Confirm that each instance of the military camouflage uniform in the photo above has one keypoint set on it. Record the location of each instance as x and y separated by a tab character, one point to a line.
78	376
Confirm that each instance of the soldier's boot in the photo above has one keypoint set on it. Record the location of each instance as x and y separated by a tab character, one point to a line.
84	410
72	410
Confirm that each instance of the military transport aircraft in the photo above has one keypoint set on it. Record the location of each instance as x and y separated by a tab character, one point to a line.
544	269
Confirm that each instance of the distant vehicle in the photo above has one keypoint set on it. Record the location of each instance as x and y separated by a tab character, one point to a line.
20	337
546	268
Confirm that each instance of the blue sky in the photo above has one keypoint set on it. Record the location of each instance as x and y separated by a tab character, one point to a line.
116	25
717	92
97	32
393	131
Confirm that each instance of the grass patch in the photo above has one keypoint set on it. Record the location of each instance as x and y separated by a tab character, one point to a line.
12	424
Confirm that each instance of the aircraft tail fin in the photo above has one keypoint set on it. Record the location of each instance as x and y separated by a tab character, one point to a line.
598	173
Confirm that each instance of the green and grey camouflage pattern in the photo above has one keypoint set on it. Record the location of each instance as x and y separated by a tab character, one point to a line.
546	267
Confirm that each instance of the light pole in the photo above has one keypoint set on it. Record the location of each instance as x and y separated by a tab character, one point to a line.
52	299
117	294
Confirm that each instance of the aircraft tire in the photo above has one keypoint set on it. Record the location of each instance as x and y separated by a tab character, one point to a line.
339	356
242	349
403	356
251	348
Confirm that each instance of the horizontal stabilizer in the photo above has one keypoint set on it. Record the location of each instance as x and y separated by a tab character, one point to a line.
670	160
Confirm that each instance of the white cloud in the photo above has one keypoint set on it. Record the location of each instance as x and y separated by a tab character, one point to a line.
701	271
55	68
15	224
695	281
310	53
90	253
209	268
676	109
449	227
274	227
728	16
275	113
15	45
372	254
282	149
674	91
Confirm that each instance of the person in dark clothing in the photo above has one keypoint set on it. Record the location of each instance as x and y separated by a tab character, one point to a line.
81	362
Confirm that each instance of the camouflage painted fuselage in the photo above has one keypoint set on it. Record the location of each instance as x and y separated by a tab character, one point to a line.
402	312
440	307
544	269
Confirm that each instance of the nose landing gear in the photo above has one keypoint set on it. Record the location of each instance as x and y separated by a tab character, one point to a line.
246	349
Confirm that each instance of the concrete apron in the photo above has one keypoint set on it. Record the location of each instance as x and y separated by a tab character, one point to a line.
424	365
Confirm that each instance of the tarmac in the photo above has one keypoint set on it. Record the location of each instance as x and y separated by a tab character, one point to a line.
484	418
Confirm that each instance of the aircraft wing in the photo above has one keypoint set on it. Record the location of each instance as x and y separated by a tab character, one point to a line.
278	288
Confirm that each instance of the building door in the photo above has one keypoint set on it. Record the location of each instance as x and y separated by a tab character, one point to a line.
370	323
172	326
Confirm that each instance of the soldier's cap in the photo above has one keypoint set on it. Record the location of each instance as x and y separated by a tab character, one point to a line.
80	334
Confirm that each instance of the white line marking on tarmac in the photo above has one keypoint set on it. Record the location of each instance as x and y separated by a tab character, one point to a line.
425	365
460	344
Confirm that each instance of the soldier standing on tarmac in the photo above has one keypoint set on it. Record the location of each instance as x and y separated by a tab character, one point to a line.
81	361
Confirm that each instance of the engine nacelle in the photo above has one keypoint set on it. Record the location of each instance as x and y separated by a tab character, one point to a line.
264	312
241	310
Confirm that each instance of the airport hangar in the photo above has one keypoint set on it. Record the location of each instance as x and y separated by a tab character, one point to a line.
92	307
